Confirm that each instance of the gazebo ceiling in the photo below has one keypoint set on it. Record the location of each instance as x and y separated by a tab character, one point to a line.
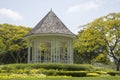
50	24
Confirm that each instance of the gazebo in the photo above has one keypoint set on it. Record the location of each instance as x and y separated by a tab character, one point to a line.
50	41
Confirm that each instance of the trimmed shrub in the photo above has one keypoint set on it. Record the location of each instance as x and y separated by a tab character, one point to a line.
118	73
20	71
20	66
101	72
6	68
113	73
92	75
50	72
72	73
3	71
65	67
103	69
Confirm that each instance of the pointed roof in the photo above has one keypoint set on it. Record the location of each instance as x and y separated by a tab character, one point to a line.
50	24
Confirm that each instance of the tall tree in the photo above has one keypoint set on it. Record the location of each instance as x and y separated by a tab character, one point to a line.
89	46
13	38
2	50
109	28
103	34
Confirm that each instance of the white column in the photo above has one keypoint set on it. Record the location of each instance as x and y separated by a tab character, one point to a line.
35	51
32	51
28	52
39	51
68	52
51	51
54	51
37	43
56	54
71	52
57	51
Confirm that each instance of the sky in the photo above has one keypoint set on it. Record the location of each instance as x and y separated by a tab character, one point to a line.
73	13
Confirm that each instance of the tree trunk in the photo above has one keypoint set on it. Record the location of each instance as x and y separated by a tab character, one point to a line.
1	58
11	53
118	65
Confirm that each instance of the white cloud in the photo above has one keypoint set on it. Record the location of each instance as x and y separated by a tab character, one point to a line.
84	7
10	14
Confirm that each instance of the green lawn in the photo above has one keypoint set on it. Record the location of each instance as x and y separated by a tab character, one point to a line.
71	78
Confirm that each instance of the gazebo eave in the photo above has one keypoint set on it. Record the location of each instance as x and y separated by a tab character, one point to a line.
51	34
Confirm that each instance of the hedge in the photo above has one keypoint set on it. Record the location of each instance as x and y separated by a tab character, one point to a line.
72	73
92	75
114	73
65	67
75	70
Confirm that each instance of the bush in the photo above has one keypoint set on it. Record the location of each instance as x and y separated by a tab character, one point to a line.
92	75
50	72
20	66
101	72
6	68
103	69
3	71
66	67
75	70
113	73
20	71
72	73
118	73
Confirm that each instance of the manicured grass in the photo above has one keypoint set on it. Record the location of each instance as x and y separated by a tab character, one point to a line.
71	78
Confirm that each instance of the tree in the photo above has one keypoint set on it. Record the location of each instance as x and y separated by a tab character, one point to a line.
87	46
12	37
103	34
2	50
2	46
109	27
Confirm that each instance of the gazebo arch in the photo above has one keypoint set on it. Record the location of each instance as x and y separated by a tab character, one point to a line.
50	41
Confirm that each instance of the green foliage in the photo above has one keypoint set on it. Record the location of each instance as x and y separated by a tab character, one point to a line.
72	73
101	72
87	45
2	46
99	39
92	75
99	69
114	73
13	46
49	72
74	70
108	27
65	67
